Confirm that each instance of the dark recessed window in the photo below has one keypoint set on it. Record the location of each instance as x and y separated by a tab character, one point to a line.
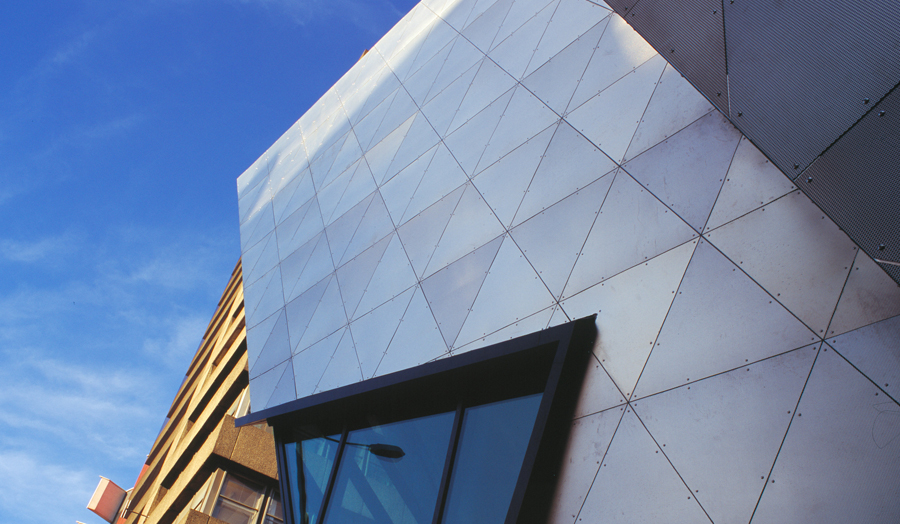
472	438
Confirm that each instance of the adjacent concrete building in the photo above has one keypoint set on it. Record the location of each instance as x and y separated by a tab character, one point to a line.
201	468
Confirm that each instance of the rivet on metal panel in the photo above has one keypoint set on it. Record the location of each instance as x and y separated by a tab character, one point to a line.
881	247
865	100
740	113
796	166
809	180
881	113
719	93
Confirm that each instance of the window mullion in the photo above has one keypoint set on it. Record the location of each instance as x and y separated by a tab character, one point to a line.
448	465
332	477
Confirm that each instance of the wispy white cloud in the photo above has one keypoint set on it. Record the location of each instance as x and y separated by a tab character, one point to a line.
30	251
34	486
180	341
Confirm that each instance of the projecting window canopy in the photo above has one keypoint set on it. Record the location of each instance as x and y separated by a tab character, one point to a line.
476	437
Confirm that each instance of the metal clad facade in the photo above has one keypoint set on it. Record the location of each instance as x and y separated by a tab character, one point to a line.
856	180
690	35
799	76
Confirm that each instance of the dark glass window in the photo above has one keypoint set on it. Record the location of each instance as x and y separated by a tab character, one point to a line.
473	438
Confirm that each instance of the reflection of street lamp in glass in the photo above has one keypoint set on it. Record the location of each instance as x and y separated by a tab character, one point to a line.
388	451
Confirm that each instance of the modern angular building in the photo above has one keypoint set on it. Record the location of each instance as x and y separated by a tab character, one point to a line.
563	261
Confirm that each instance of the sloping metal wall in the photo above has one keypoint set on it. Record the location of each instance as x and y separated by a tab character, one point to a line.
492	168
800	76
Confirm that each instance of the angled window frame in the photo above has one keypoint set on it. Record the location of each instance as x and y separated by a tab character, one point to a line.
552	362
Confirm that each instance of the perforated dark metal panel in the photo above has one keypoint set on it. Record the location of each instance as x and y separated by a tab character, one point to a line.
800	73
856	181
690	35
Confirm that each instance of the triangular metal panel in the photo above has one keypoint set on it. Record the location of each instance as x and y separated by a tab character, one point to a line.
442	108
439	36
399	190
696	425
372	332
420	83
589	439
687	170
620	51
463	56
392	276
598	392
468	142
752	181
456	13
635	482
366	128
519	14
253	294
504	183
793	251
375	225
310	364
276	350
625	339
301	309
632	227
570	163
330	196
452	290
299	228
868	296
514	53
421	233
482	30
272	298
261	387
487	85
675	104
417	340
420	138
354	276
254	174
380	156
402	109
523	118
875	351
284	391
260	259
720	320
316	267
555	81
343	368
254	199
340	232
841	457
257	227
320	164
442	177
350	152
258	335
293	195
571	19
529	324
471	225
552	239
511	292
373	92
360	185
328	318
610	118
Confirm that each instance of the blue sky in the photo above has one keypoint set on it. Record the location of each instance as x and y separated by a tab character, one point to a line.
123	126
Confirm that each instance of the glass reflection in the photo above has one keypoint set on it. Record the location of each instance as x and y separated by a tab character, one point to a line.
489	456
391	473
309	466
